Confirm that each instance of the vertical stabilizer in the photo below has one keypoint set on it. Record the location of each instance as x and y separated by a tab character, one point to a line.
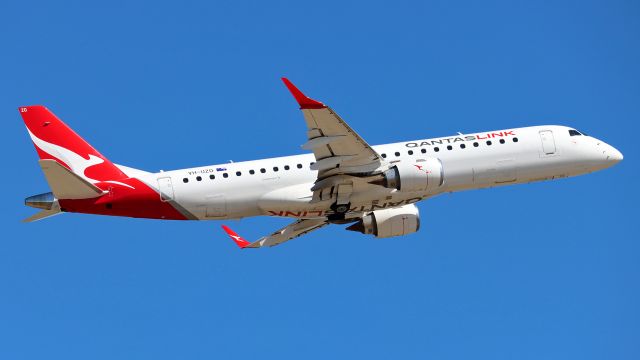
54	140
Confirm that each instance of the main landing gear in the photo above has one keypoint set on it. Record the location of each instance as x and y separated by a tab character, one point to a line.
339	211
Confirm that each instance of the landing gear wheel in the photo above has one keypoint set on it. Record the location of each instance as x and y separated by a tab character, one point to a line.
340	209
338	212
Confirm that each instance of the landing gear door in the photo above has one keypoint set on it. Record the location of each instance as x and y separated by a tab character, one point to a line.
166	189
548	143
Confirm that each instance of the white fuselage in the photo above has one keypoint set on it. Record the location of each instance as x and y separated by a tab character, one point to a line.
282	186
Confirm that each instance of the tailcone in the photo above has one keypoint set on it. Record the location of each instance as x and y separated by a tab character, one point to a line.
44	201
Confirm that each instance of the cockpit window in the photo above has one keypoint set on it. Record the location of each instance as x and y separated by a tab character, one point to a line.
573	132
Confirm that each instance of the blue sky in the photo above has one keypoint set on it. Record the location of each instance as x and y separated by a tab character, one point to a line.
541	271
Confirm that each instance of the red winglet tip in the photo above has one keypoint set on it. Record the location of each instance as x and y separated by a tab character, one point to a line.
239	240
304	101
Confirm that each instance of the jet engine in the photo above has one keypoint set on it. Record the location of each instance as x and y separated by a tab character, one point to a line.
421	175
392	222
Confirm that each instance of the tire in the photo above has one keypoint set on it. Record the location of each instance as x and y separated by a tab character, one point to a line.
340	209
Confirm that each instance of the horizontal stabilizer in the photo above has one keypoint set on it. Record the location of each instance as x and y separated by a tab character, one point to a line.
55	210
65	184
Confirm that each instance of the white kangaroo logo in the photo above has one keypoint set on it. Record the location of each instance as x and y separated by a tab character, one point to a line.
77	163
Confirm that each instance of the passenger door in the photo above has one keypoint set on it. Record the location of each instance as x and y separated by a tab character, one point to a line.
548	142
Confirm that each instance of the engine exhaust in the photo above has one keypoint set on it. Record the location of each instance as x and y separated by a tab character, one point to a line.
44	201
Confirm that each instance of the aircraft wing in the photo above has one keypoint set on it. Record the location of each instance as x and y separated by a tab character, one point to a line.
287	233
337	148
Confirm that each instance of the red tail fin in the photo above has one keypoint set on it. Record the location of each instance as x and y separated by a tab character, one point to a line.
54	140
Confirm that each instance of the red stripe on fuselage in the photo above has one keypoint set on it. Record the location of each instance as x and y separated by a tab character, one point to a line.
140	202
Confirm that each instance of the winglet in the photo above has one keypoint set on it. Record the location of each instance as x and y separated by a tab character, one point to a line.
239	240
304	101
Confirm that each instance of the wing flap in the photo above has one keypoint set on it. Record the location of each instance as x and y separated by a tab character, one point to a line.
344	140
320	141
55	210
331	162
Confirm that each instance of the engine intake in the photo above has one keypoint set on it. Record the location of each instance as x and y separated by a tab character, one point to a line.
392	222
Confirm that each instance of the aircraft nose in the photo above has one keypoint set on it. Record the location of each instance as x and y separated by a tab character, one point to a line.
613	155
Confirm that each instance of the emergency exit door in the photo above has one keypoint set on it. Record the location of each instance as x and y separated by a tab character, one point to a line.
548	143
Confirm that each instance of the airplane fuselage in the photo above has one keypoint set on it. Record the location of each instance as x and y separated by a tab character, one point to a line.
343	179
282	186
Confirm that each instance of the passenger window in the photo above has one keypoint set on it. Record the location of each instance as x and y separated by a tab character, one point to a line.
252	172
384	156
286	167
424	151
397	153
299	166
225	175
436	149
515	139
462	146
185	180
212	176
501	141
488	142
275	168
475	144
449	147
410	152
199	178
263	170
238	173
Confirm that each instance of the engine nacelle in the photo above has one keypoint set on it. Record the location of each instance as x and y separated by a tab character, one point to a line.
420	176
389	222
